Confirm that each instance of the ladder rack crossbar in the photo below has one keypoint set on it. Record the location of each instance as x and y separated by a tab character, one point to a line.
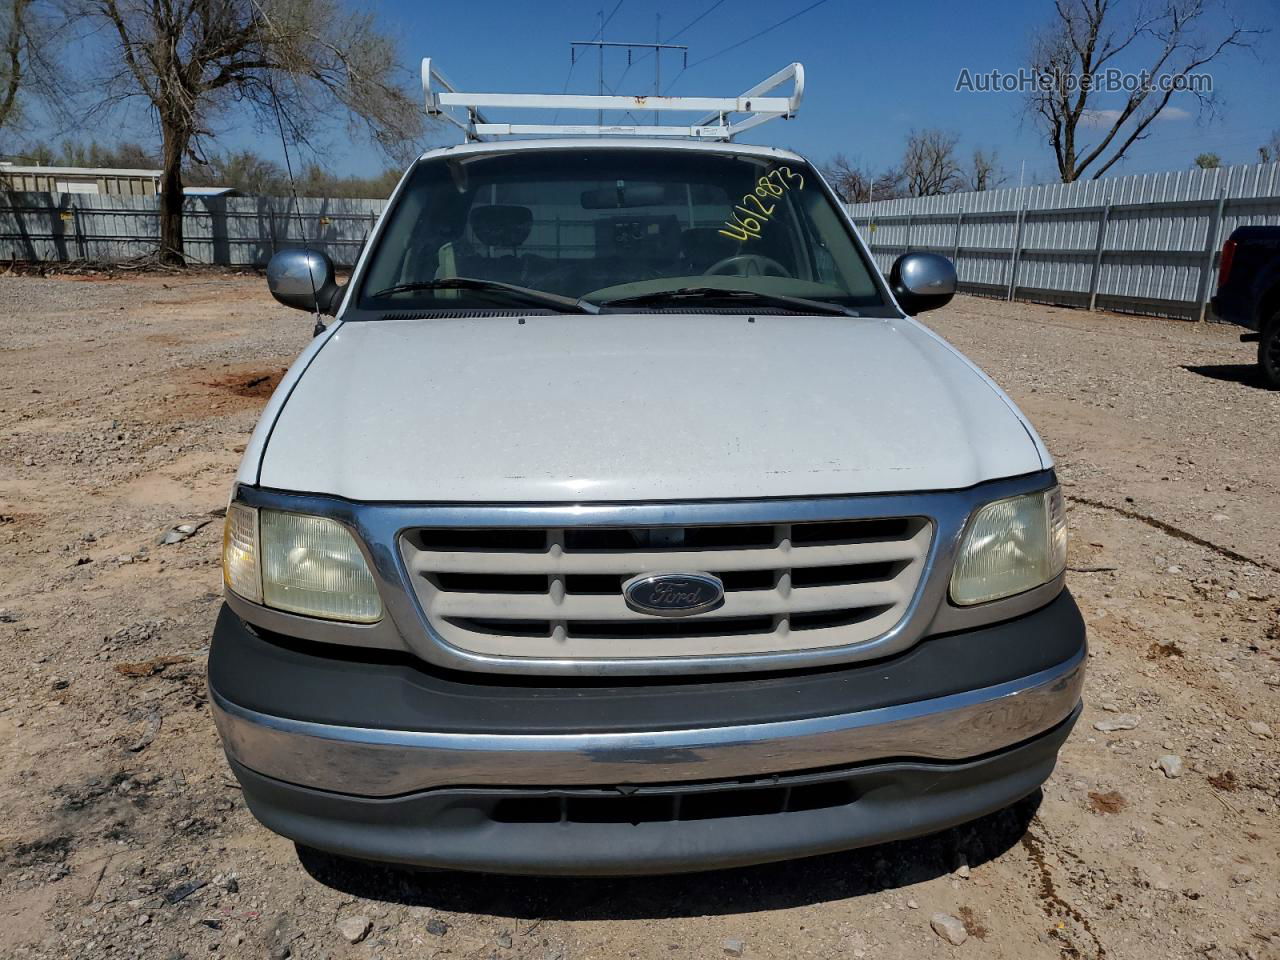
570	101
441	98
720	132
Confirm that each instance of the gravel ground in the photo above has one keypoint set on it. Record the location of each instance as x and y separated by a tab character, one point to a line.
124	405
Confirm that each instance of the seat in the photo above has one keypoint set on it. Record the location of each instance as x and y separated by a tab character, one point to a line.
497	229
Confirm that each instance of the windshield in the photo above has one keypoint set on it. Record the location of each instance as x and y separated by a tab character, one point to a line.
605	224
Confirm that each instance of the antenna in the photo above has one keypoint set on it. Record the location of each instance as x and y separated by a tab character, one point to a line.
293	186
441	97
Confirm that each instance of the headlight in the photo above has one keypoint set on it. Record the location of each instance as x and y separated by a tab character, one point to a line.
299	563
1012	545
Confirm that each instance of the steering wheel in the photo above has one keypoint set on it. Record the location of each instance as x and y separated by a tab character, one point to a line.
747	265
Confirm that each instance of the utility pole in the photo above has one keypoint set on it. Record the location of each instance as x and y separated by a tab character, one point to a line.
657	62
600	44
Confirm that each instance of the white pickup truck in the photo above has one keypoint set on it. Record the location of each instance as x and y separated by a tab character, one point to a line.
624	520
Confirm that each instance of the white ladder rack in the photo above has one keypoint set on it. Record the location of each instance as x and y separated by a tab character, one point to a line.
442	97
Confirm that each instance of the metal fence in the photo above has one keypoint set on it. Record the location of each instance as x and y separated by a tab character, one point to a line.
1147	243
219	230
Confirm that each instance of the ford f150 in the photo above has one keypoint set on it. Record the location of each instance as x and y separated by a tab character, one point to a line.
624	520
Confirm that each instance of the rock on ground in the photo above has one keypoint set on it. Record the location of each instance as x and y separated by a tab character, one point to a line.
1170	765
355	928
949	928
1123	721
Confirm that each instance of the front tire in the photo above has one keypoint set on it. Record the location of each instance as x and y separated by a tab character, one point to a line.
1269	353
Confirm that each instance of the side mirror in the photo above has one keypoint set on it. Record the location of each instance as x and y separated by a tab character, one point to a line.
922	281
303	279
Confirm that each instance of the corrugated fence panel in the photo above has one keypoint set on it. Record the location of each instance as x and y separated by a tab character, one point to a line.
1158	253
219	230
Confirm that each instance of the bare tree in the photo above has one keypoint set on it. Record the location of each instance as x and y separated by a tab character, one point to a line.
847	178
73	153
289	62
30	31
15	13
241	170
1270	151
1089	36
985	172
929	164
888	185
856	184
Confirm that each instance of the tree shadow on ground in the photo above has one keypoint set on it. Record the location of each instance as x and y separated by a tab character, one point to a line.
1245	374
767	887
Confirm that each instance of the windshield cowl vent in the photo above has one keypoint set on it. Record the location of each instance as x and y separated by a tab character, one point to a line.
463	314
721	311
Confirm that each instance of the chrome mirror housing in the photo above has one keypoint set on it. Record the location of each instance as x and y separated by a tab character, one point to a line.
922	281
304	280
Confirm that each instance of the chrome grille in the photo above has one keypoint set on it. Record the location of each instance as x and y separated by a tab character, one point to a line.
556	593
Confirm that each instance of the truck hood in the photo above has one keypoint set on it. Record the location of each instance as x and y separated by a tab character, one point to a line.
639	407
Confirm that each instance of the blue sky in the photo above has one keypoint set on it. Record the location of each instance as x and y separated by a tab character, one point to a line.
874	71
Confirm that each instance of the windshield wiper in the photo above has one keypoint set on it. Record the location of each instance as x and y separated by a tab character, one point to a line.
719	293
528	294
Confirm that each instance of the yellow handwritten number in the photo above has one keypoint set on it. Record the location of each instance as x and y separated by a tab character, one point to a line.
751	222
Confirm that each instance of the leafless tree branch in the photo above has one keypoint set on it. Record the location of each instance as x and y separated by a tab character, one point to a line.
30	40
285	61
929	164
1175	39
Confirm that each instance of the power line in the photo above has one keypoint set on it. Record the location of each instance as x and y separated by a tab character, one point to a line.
695	20
633	60
573	62
684	29
600	32
756	36
631	46
630	63
565	87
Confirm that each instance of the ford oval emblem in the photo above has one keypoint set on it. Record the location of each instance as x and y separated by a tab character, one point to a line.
673	594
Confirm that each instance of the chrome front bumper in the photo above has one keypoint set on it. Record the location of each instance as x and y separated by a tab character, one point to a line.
383	763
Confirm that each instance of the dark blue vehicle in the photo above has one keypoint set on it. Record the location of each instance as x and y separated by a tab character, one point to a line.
1249	292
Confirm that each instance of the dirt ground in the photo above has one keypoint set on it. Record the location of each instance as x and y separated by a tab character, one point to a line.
124	406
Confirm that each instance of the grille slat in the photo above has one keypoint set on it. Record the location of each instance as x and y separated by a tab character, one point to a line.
557	593
645	561
745	603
